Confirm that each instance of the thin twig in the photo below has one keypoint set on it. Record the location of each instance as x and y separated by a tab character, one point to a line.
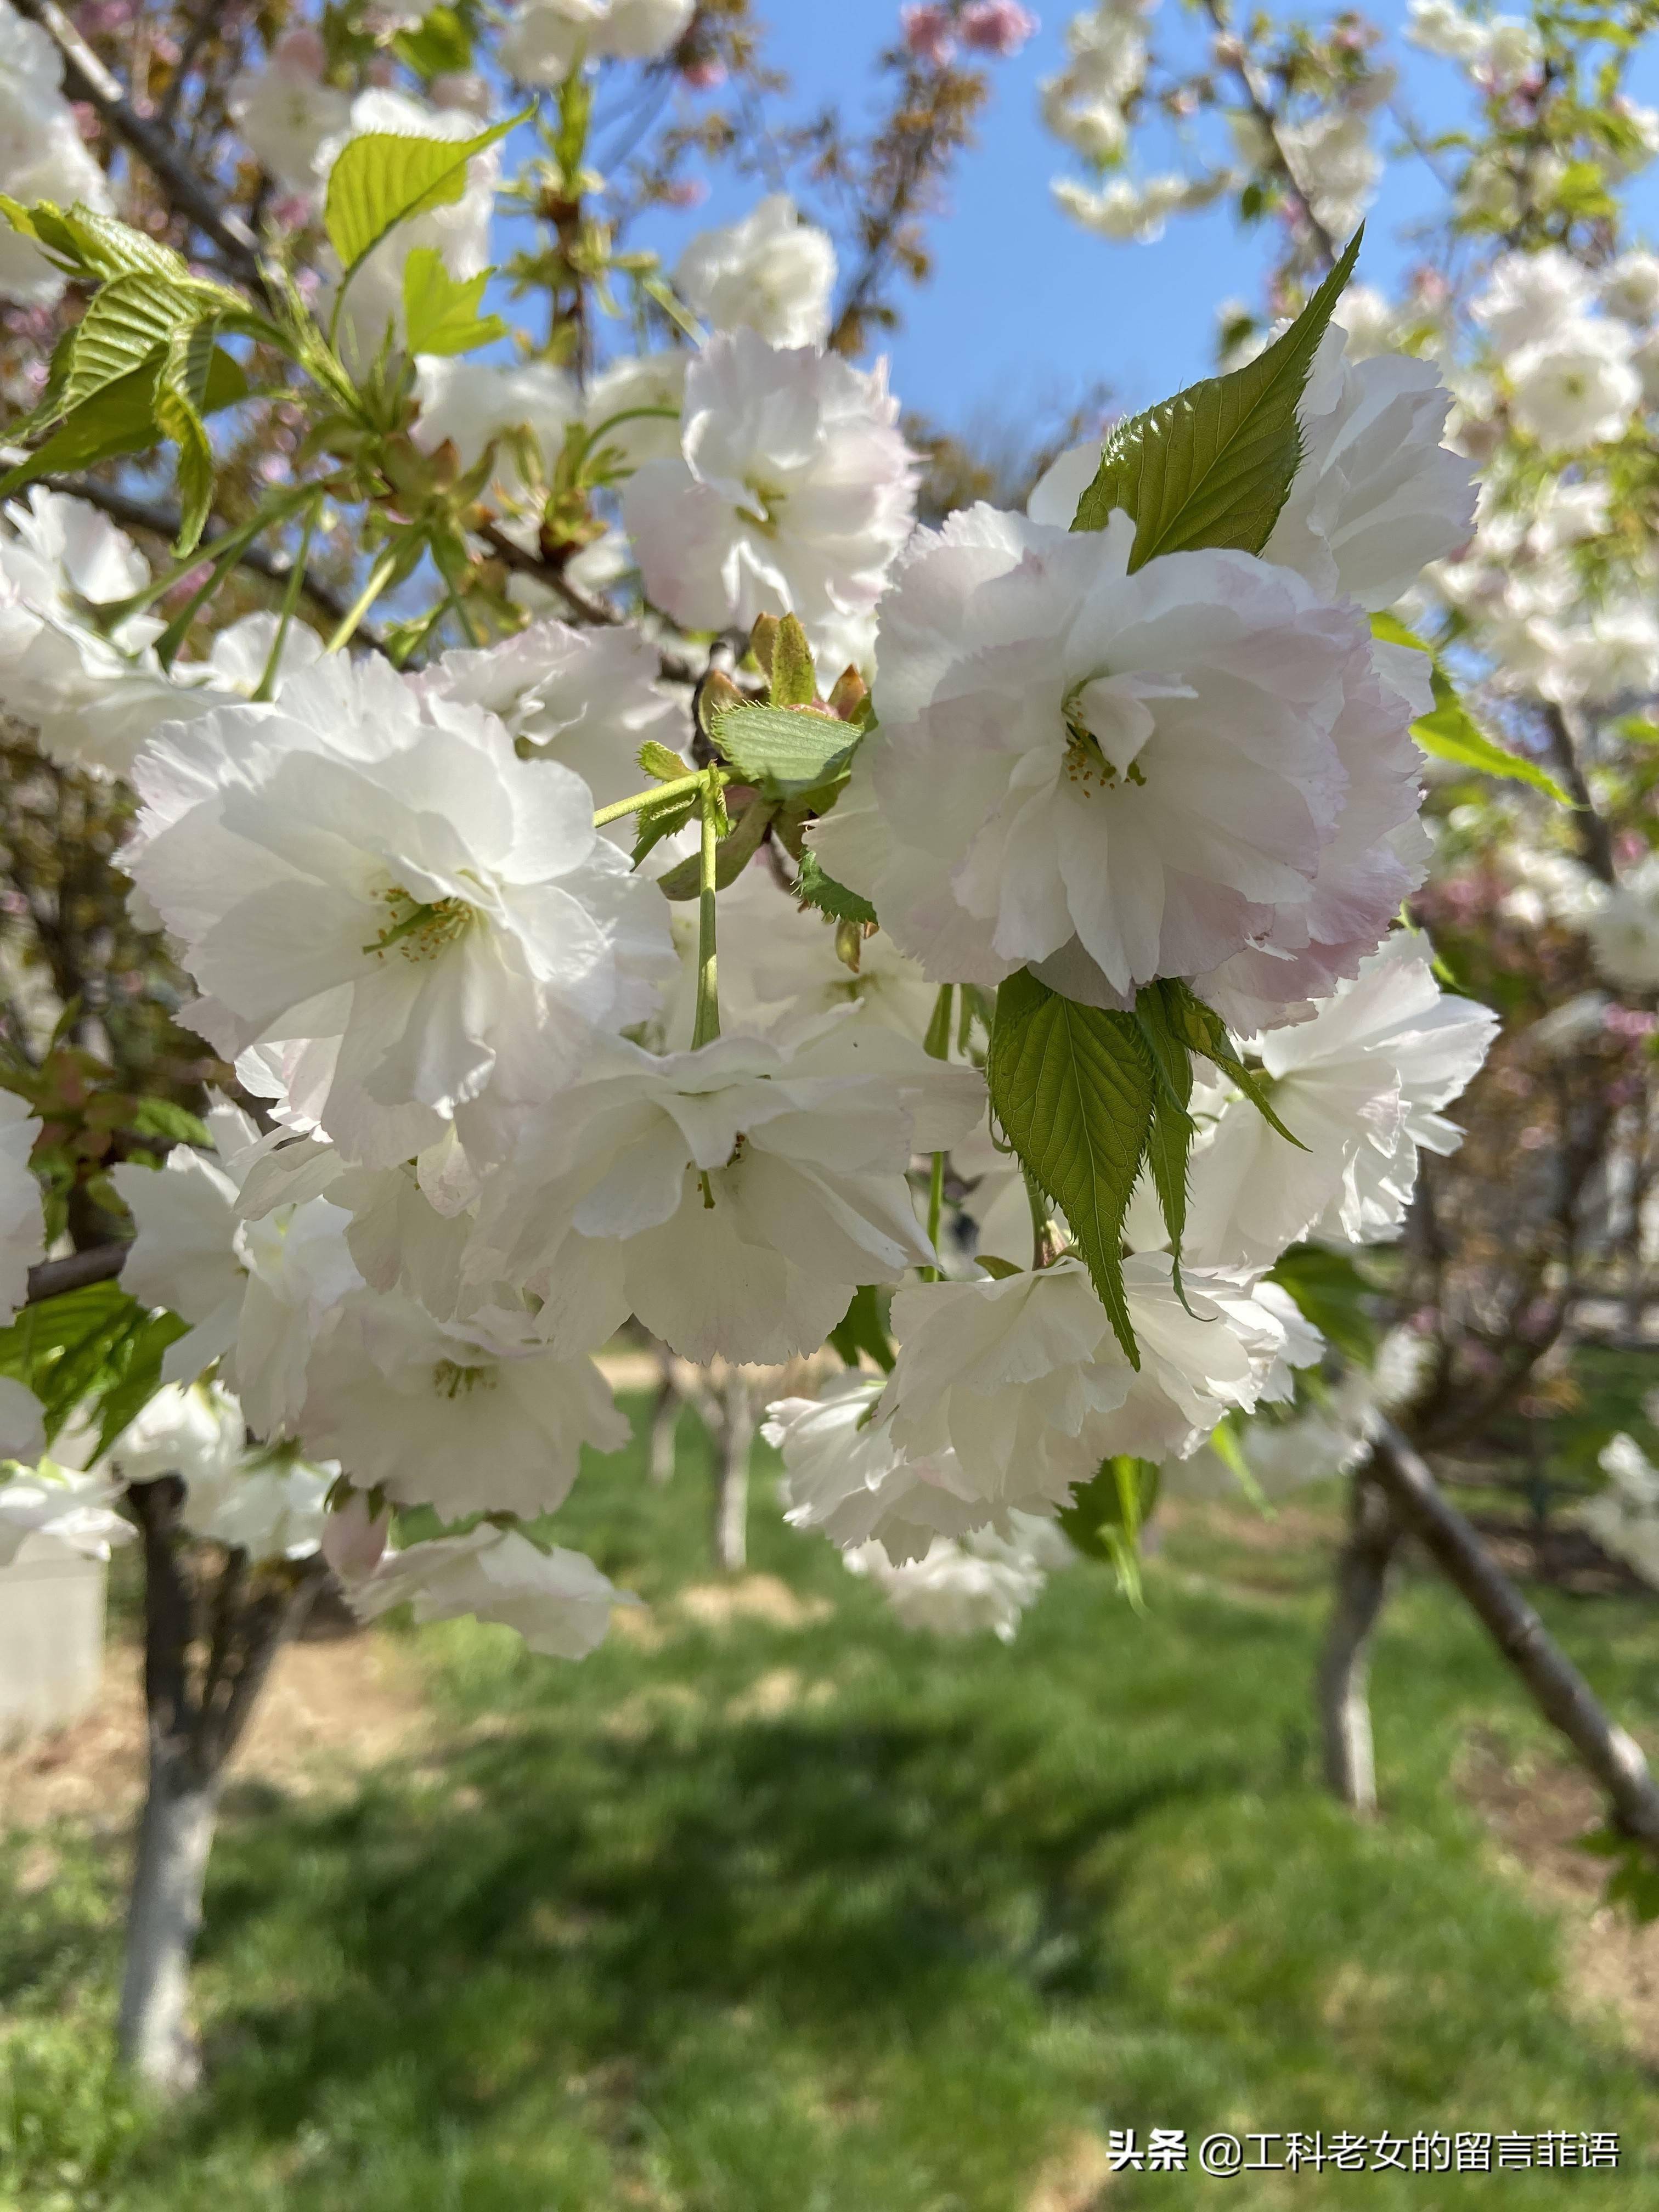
163	522
598	614
1237	56
86	78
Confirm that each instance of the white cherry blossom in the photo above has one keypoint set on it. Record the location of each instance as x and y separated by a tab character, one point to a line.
556	1600
449	1415
793	492
732	1197
770	272
986	1581
368	870
1112	777
43	156
287	108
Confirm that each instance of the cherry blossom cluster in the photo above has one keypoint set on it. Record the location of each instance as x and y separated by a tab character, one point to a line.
505	1087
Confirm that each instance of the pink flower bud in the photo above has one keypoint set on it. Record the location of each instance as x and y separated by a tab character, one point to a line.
688	192
704	74
928	32
352	1542
997	27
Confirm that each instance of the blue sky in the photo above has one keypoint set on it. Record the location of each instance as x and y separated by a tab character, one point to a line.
1025	310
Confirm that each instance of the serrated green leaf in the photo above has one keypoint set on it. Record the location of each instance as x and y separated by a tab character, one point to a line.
440	313
1450	733
653	824
658	761
1203	1031
863	1328
125	1396
732	855
128	321
783	748
815	888
383	178
794	677
1073	1088
1213	465
94	244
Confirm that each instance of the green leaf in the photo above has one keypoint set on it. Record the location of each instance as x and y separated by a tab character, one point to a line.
658	761
1106	1515
178	398
1202	1030
1450	733
439	46
784	749
441	314
136	1375
794	677
383	178
1169	1147
121	420
160	1117
998	1269
128	321
815	888
655	822
1332	1293
863	1328
1213	465
1074	1090
92	244
732	855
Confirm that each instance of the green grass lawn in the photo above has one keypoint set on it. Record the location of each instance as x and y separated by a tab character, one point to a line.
827	1917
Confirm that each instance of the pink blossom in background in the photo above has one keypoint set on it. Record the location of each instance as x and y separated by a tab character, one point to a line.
99	17
688	192
702	76
1632	1023
291	210
997	27
928	32
301	52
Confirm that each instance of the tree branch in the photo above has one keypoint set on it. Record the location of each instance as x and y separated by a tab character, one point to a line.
50	1278
598	614
1236	54
86	78
1613	1758
141	514
1594	838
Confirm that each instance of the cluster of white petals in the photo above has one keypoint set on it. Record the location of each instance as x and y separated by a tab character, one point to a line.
557	1601
43	156
1624	1518
792	494
22	1232
732	1197
1571	373
988	1582
1361	1087
96	694
771	272
76	1509
368	877
1191	770
286	110
545	39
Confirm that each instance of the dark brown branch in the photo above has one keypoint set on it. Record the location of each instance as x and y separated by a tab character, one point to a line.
86	78
1594	838
50	1278
598	614
169	1610
1564	1698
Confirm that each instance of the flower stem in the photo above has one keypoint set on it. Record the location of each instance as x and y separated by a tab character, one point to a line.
935	1210
707	1026
379	577
936	1042
296	584
614	812
1041	1251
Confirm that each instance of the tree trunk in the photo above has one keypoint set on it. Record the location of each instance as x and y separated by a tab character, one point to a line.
1342	1683
1612	1758
732	1476
666	1425
153	2033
